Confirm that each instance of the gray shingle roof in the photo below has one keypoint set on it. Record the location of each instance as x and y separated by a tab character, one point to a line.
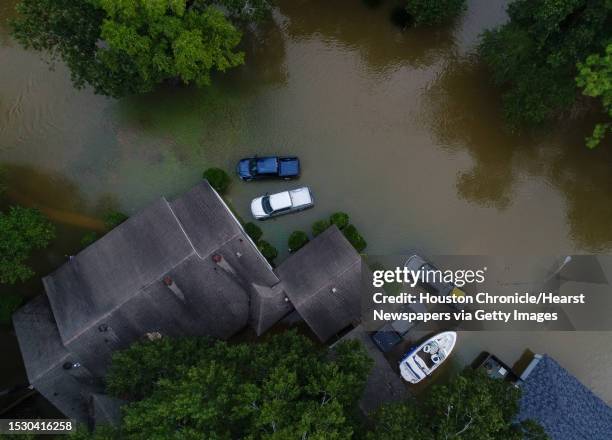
562	405
44	356
202	300
323	282
139	253
268	306
184	267
205	219
153	273
214	302
38	337
106	274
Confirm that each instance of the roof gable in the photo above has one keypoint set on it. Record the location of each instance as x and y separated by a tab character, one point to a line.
205	219
268	306
323	282
39	341
114	268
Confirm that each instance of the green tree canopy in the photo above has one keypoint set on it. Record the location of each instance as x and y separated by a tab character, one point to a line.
218	179
253	231
320	226
121	47
22	230
268	251
434	12
471	406
534	56
112	219
241	10
340	219
297	240
9	303
282	388
2	181
354	237
595	79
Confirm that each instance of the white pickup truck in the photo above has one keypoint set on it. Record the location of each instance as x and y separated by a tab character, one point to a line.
281	203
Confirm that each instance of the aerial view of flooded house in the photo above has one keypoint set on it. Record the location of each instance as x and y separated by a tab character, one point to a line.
281	219
179	267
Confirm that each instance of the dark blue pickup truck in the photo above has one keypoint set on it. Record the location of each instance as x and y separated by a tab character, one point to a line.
252	168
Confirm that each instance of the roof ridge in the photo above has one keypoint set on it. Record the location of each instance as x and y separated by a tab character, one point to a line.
180	225
317	293
137	291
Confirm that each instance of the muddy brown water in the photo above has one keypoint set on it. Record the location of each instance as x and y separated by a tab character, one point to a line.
399	128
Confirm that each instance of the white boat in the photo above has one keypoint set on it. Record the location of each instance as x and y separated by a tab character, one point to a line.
421	361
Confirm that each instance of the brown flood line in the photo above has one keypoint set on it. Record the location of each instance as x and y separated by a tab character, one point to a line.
60	216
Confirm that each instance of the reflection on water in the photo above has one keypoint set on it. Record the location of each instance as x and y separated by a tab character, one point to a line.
454	112
501	159
398	128
349	26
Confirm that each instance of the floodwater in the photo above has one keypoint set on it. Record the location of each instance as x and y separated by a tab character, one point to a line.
399	128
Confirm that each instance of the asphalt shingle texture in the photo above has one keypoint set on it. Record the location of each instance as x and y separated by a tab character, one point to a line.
563	406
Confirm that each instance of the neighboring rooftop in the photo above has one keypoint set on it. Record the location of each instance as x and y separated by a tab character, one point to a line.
595	314
562	405
323	280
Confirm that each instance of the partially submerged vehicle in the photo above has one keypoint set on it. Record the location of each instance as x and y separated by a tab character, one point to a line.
391	334
282	203
424	359
435	286
252	168
388	337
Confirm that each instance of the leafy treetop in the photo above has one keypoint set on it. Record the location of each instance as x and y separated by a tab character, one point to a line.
281	388
297	240
218	179
434	12
22	230
535	55
121	47
253	231
595	79
471	406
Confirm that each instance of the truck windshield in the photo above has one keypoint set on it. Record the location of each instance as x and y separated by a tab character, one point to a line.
265	203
